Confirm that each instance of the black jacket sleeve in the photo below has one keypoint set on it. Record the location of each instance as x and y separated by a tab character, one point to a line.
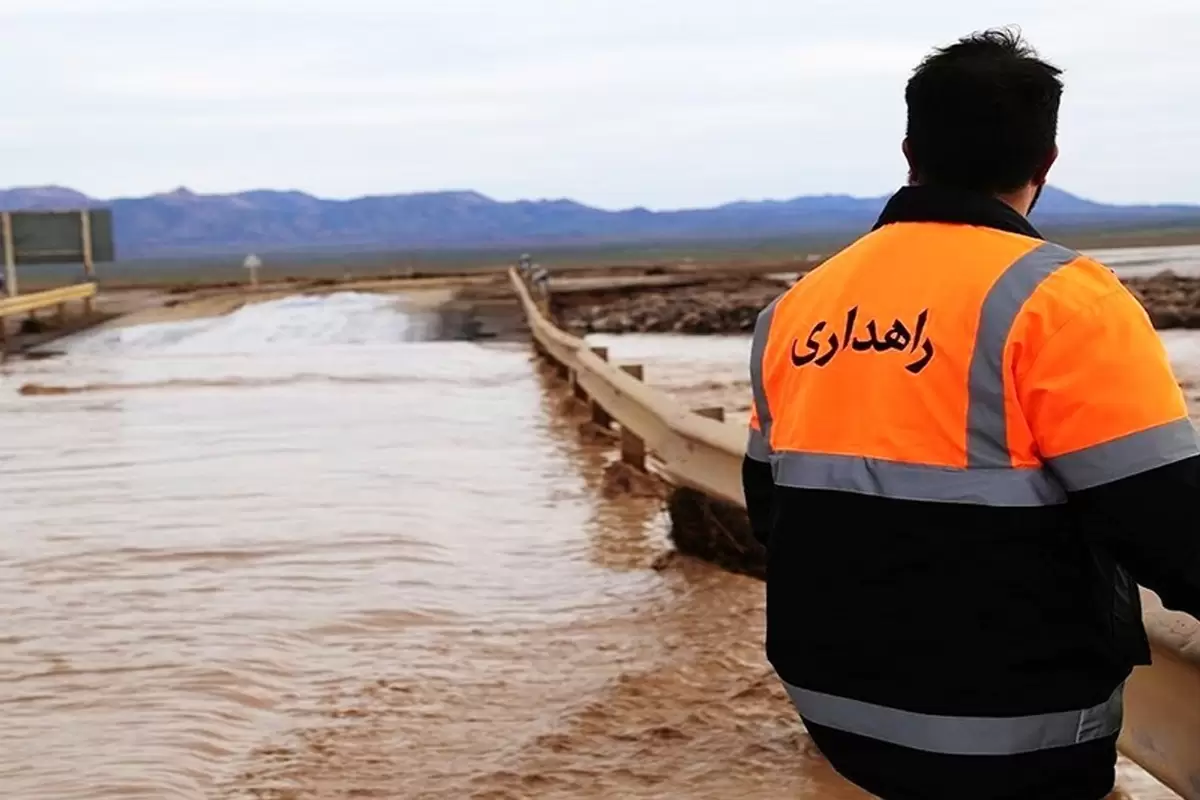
1148	524
758	484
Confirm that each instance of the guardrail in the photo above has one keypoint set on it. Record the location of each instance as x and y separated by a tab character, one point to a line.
33	302
695	451
1162	702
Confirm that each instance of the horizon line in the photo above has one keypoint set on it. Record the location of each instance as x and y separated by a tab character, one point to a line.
187	192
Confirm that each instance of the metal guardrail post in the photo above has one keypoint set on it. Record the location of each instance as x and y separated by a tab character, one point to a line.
600	417
633	449
576	390
711	412
636	370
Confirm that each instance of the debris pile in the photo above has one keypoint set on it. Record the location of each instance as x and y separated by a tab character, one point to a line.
732	305
1173	301
727	306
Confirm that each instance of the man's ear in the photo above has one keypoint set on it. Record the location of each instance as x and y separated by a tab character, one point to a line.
907	150
1040	178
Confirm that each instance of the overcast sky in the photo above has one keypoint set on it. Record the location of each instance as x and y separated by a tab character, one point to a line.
617	103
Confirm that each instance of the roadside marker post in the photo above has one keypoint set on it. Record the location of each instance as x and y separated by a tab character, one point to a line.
252	263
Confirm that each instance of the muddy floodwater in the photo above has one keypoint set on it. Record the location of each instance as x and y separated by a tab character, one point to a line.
1144	261
300	551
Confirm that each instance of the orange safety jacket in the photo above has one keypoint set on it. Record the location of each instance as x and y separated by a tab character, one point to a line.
928	406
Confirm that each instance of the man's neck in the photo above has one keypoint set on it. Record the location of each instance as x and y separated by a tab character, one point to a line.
1021	202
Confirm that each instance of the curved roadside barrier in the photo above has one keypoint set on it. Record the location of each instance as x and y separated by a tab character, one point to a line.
695	451
34	302
703	455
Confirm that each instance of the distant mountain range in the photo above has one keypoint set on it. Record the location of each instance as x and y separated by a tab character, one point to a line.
182	223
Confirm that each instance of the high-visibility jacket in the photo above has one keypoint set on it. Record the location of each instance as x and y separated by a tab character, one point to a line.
941	413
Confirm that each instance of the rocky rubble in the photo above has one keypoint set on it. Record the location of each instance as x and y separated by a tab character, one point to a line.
721	307
731	306
1173	301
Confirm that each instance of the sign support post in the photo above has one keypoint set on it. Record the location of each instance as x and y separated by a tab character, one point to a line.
89	268
10	255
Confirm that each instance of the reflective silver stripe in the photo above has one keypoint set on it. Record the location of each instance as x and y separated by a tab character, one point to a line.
758	349
757	447
871	476
960	736
1129	455
987	428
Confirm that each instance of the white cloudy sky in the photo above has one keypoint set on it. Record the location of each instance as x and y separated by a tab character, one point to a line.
663	103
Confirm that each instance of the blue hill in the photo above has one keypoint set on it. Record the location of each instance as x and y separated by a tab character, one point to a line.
182	222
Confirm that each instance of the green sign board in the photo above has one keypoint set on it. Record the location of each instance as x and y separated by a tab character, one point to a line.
61	237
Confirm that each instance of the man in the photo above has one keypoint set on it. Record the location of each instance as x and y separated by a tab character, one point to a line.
967	448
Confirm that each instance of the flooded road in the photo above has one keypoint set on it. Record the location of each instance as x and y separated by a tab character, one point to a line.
1129	262
301	552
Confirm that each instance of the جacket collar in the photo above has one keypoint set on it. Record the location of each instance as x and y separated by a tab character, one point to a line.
939	204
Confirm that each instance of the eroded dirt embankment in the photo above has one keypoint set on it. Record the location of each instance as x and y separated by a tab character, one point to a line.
730	304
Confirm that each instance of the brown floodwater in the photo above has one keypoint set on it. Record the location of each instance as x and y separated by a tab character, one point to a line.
302	552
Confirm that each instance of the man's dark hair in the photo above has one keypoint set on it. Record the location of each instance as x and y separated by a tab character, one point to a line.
982	114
